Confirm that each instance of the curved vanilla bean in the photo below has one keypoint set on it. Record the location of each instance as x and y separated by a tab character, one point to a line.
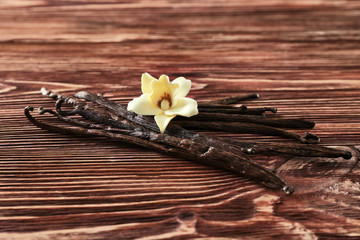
214	107
259	111
296	149
180	147
86	131
75	122
249	128
235	109
263	120
231	99
305	150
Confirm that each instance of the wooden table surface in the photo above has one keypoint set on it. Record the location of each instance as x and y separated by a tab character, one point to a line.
302	57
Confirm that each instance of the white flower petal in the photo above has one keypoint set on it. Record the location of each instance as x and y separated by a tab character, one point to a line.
186	107
184	86
143	106
146	80
162	121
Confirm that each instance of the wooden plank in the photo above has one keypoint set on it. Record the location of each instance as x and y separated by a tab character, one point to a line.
301	56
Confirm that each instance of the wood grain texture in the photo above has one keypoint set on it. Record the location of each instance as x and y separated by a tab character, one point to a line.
301	56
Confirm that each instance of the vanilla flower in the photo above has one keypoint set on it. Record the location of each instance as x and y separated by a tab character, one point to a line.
164	99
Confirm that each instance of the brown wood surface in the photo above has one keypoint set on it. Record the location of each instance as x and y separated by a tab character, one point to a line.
301	56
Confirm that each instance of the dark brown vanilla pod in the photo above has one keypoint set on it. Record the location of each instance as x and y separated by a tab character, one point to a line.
295	149
272	121
103	117
230	100
242	109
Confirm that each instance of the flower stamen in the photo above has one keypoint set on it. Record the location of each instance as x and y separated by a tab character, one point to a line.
165	102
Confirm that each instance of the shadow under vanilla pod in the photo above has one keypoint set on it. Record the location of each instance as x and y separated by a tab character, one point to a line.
106	118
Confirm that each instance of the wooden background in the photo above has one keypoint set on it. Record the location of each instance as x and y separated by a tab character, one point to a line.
302	56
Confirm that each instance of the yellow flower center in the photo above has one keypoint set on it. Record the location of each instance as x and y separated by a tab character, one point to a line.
165	105
165	102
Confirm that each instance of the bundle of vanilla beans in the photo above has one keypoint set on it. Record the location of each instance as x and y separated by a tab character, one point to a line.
103	117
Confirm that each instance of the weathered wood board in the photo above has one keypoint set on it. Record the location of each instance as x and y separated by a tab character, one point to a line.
302	57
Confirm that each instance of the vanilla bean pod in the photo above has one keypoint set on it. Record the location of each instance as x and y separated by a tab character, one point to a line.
178	147
242	109
263	120
296	149
230	100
